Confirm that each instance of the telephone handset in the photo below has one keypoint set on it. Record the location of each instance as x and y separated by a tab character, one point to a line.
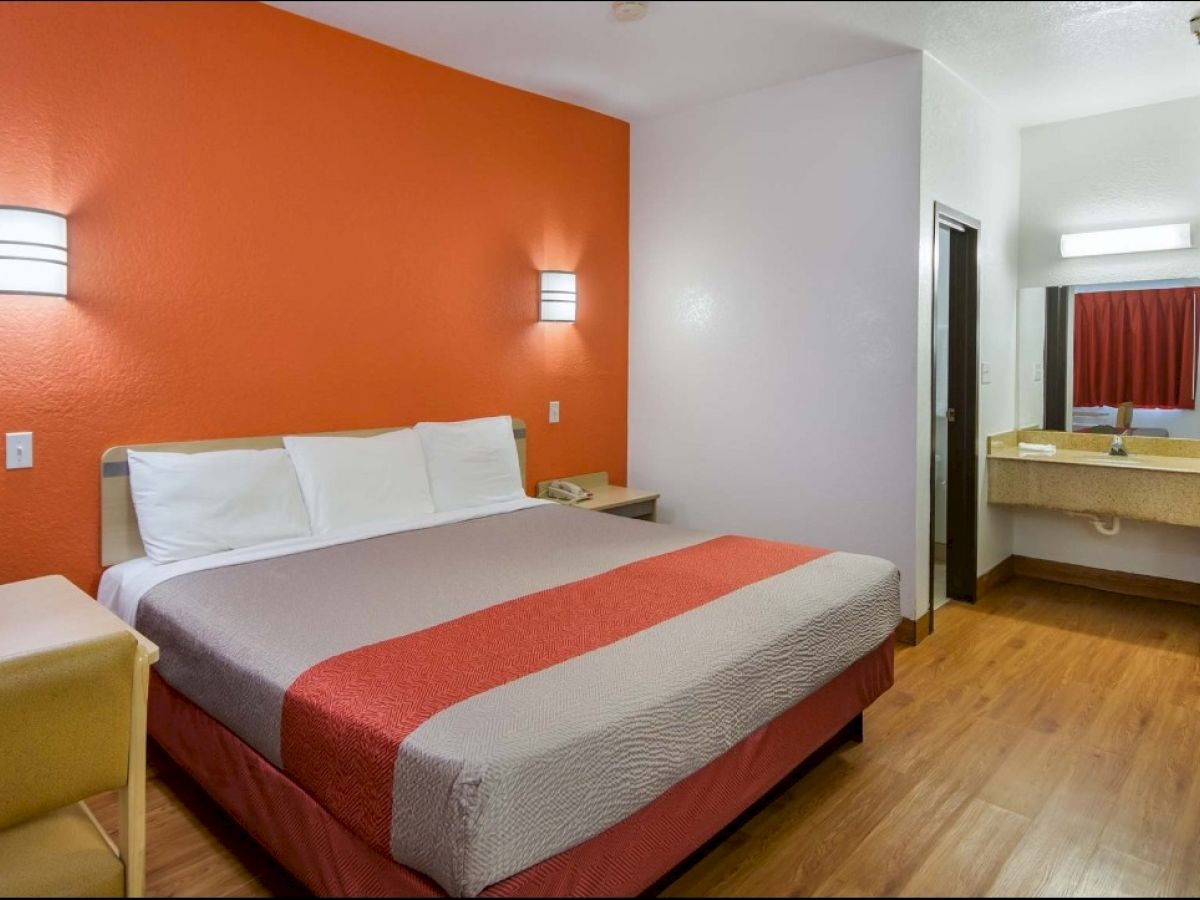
567	490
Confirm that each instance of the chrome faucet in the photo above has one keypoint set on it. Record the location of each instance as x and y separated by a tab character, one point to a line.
1117	447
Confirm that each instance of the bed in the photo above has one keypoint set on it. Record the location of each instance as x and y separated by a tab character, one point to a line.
516	699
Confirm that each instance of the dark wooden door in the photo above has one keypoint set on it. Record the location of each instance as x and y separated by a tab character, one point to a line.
962	494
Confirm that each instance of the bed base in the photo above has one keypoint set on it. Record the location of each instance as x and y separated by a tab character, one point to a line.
640	853
851	733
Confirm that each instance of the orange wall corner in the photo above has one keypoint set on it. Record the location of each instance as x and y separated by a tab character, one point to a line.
276	226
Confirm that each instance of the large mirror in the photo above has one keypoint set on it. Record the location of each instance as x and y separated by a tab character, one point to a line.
1109	358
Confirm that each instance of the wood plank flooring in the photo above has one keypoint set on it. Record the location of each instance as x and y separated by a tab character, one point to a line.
1045	741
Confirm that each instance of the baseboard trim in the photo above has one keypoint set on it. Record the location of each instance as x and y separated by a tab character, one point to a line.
1003	571
1151	587
913	632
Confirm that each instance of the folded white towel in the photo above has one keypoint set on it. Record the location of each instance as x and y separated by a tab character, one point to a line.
1048	449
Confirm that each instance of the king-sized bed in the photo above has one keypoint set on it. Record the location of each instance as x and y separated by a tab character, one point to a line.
516	699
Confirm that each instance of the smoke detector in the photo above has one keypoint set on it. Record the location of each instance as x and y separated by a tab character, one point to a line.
631	10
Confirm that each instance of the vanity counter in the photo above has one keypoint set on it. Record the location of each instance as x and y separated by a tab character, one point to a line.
1145	486
1094	458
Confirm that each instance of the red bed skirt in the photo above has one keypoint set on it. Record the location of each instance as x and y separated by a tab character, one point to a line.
625	860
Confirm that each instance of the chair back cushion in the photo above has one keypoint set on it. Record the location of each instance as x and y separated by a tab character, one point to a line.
65	721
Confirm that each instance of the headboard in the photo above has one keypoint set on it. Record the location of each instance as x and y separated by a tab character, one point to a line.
119	536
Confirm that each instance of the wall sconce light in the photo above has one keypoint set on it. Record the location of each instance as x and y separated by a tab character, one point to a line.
1126	240
33	252
557	296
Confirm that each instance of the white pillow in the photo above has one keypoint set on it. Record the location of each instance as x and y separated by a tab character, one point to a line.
471	463
349	481
192	504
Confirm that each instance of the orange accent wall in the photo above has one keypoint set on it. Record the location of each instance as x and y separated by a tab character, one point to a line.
276	226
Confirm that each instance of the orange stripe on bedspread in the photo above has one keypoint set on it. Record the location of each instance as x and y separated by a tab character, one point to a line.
345	718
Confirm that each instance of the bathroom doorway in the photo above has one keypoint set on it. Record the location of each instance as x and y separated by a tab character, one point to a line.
954	464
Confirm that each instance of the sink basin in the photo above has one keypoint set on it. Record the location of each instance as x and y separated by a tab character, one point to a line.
1103	459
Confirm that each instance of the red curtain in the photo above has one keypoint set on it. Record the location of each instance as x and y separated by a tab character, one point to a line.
1137	346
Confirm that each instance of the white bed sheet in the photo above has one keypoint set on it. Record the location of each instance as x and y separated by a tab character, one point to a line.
122	586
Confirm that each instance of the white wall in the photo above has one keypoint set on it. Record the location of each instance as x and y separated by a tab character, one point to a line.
1133	167
1144	548
970	160
1031	358
772	316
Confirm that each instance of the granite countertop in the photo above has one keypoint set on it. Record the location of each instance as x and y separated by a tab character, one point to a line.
1099	458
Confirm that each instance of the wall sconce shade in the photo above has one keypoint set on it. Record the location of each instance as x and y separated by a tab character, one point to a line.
557	296
1126	240
33	252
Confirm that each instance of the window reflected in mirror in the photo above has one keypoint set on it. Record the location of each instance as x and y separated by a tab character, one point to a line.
1109	358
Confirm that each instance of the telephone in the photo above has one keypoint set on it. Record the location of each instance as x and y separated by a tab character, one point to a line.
568	491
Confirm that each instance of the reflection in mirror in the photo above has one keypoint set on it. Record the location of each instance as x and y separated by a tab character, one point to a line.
1109	358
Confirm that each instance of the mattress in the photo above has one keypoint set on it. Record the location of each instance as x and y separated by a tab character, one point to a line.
476	697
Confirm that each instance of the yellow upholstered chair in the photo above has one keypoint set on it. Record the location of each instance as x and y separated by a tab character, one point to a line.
72	724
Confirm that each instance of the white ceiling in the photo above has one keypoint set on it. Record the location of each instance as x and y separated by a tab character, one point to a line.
1037	61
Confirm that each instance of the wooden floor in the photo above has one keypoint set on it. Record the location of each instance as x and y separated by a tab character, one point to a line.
1046	741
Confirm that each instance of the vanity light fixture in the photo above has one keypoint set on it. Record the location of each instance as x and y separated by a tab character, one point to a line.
557	296
1127	240
33	252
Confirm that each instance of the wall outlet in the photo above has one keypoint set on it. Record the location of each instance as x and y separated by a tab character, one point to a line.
985	373
18	450
553	412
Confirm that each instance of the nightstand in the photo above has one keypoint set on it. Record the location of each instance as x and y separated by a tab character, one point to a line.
610	498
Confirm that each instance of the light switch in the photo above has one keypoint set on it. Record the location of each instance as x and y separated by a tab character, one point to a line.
985	373
1037	372
18	450
553	412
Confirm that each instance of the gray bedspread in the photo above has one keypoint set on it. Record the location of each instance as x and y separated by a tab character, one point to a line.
342	666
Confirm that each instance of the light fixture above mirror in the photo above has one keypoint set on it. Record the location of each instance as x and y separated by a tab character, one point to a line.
1126	240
